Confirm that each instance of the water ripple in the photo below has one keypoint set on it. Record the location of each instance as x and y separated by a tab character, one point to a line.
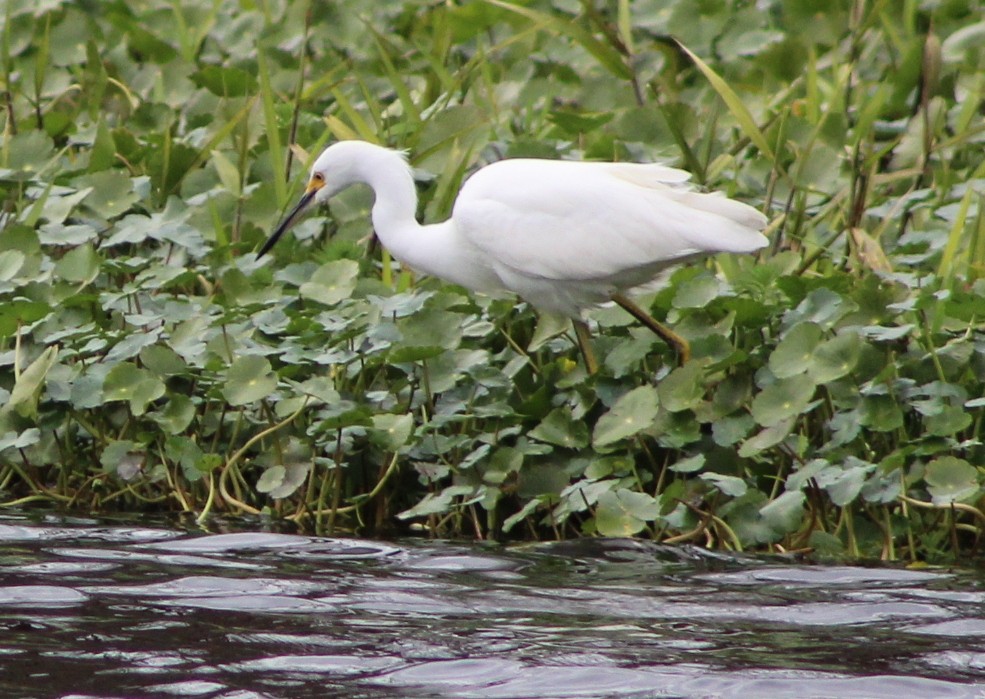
86	605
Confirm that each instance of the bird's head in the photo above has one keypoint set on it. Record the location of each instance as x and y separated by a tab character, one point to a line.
330	174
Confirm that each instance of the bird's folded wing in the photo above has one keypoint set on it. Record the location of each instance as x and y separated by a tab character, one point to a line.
596	221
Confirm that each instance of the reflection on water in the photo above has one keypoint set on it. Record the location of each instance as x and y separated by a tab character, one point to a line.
95	610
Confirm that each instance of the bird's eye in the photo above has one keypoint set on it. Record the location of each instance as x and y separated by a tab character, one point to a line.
318	177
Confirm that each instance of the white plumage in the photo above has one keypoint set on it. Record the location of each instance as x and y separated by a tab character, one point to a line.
564	235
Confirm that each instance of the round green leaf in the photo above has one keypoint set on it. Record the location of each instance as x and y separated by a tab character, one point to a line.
162	360
225	82
950	479
782	399
697	292
683	388
560	428
271	478
13	314
11	262
186	452
881	412
250	378
948	421
624	512
128	382
79	265
836	357
844	485
632	413
794	354
13	440
282	481
390	432
784	514
729	485
177	414
332	282
112	192
429	333
690	464
727	431
124	458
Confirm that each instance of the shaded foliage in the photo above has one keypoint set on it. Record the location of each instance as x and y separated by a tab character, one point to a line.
835	398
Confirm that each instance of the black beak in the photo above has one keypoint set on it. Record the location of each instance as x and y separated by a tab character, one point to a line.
288	221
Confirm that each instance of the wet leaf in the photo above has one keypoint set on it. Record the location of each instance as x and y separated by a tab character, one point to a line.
80	265
794	354
13	314
950	479
390	432
624	512
683	388
835	358
697	292
431	330
13	440
111	193
560	428
11	262
296	472
74	235
691	464
536	480
225	82
186	452
272	478
881	413
728	485
783	515
730	430
782	400
177	414
437	503
950	420
332	282
767	438
27	389
162	360
249	379
124	458
634	412
127	382
844	485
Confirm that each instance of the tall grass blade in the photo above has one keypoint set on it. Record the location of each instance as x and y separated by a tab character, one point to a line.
946	268
606	55
742	115
275	152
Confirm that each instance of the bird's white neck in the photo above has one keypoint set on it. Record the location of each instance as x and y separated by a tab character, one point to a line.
395	209
392	182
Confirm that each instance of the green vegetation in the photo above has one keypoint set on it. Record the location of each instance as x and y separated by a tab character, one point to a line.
835	401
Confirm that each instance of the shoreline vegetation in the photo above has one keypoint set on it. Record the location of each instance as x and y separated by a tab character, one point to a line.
835	399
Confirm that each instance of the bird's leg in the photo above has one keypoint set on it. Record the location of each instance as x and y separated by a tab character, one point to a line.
585	345
665	333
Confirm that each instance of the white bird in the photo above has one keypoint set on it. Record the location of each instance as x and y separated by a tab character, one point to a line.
564	235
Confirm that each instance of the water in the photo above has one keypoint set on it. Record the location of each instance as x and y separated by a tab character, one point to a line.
97	609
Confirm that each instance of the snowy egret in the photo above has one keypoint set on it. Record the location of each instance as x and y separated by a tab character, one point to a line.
564	235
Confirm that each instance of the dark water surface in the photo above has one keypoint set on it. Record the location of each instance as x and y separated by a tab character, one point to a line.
96	609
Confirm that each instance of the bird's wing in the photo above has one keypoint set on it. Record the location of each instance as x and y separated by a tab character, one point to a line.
563	220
